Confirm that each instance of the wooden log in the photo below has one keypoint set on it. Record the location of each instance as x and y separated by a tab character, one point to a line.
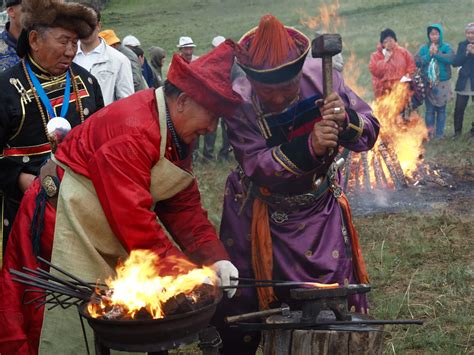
327	342
377	171
366	343
382	172
388	163
365	167
277	342
323	342
396	164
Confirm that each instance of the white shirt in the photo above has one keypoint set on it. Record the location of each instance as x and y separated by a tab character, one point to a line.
111	68
87	60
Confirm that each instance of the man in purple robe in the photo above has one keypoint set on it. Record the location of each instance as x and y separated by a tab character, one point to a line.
285	216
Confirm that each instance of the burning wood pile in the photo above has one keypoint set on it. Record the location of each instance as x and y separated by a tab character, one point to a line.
396	161
144	287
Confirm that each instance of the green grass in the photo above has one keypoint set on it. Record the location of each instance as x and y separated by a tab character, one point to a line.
422	267
421	263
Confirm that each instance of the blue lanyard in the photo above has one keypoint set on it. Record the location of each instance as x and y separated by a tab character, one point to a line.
44	98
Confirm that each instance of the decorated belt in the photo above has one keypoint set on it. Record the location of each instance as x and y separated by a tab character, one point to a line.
290	202
286	202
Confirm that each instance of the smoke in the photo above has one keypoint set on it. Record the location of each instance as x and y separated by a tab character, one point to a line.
376	199
381	199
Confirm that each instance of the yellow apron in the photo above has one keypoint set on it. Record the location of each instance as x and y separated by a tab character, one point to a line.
85	245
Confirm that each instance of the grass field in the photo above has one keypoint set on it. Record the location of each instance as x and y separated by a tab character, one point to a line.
421	263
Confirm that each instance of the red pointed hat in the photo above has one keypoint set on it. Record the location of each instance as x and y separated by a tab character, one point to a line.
272	53
207	80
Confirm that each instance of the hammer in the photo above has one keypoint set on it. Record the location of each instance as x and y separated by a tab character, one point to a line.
284	310
325	47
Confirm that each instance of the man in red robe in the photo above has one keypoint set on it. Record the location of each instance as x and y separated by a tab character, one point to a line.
117	153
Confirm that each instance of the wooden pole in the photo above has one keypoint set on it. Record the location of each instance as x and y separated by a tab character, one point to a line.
396	163
377	171
365	167
388	162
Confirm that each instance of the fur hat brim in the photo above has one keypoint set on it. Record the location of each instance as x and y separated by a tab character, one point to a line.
71	16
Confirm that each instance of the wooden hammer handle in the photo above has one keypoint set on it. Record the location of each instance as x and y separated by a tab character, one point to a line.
327	76
253	315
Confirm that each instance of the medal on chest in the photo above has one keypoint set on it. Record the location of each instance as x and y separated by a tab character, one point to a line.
57	127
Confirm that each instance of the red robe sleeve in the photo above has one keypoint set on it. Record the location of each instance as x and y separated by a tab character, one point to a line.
186	220
120	172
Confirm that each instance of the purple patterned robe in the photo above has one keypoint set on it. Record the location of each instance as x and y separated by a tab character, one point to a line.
309	246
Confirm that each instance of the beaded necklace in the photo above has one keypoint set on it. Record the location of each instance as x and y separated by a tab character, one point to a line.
174	136
40	106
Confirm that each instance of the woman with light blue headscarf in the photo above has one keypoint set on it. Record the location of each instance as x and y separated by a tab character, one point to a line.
435	58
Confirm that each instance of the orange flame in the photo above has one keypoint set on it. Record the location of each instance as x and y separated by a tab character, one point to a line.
138	284
327	21
353	66
406	137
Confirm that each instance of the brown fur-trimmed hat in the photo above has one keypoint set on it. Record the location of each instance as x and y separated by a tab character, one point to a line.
72	16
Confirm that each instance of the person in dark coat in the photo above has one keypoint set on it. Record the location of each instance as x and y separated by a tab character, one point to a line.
47	46
465	85
157	59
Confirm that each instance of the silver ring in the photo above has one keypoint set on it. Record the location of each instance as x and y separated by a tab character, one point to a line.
337	109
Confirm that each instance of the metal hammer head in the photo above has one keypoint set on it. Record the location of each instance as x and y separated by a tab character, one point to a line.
326	45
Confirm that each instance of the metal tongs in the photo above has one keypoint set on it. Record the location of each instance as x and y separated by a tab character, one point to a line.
254	283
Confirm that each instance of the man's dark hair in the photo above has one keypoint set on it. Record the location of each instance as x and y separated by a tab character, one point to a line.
41	29
171	90
137	50
10	3
95	8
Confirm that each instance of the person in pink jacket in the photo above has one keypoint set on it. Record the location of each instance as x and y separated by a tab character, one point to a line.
389	63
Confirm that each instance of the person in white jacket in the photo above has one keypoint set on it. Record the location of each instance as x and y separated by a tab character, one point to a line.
111	68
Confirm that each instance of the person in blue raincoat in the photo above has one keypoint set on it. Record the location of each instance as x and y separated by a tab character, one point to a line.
435	59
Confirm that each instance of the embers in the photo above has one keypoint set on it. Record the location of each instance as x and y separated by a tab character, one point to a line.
201	296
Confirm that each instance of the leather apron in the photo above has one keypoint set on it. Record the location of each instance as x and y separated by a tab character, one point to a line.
85	245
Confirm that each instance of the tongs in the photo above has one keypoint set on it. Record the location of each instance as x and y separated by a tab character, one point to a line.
254	283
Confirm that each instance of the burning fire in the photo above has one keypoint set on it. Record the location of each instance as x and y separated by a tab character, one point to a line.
405	135
327	21
138	285
353	66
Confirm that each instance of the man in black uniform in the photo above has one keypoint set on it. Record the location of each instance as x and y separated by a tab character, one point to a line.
45	85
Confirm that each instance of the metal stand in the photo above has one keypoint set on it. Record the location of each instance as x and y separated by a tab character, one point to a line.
209	343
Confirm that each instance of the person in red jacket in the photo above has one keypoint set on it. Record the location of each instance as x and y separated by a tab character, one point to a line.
128	165
389	63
